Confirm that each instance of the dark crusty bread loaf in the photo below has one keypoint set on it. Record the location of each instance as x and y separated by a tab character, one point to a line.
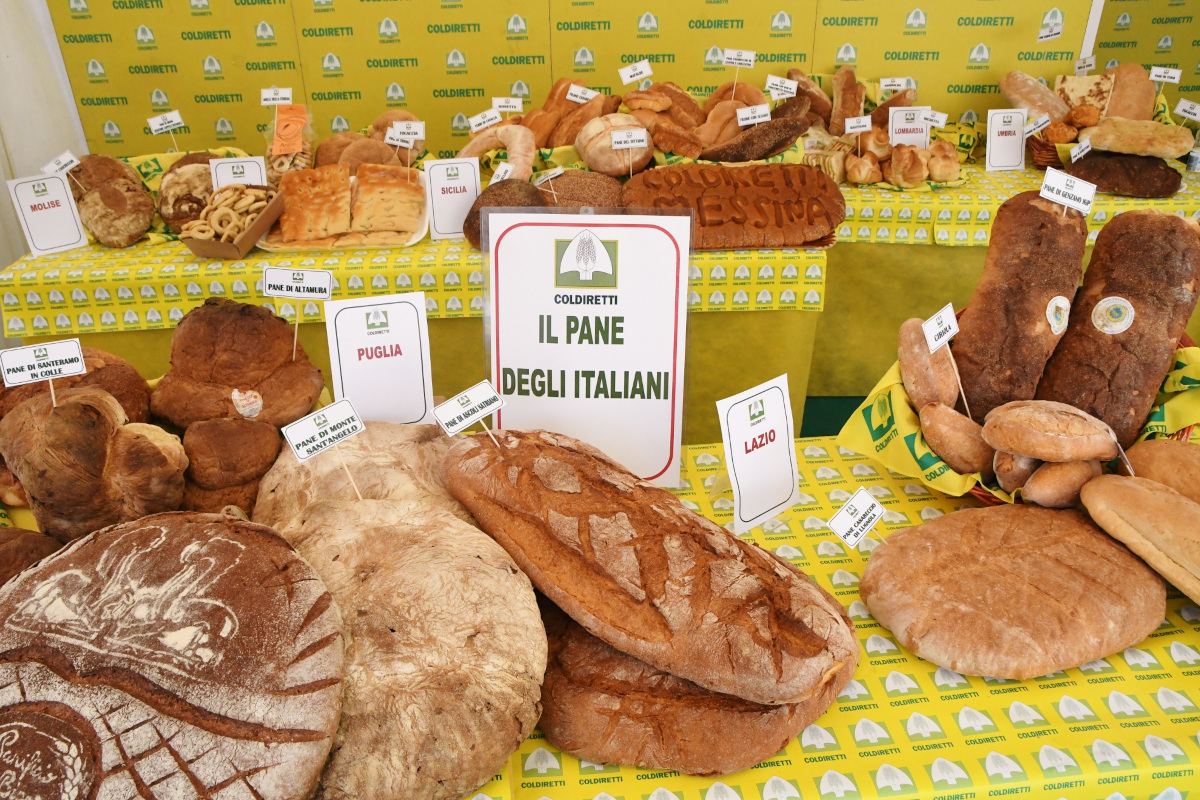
1005	337
639	570
601	705
178	656
1147	262
1132	176
20	548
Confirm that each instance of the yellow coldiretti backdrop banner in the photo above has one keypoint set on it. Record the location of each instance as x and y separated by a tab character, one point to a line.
1153	33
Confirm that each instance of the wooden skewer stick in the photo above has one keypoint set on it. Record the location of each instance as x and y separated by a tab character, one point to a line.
490	434
53	399
296	335
961	393
342	458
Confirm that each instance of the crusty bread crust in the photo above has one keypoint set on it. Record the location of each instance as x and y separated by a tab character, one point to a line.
1048	431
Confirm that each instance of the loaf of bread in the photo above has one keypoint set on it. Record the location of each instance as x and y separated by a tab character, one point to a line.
819	102
767	205
928	377
1057	484
901	99
1133	92
759	141
1154	521
105	371
1026	92
1011	591
1140	137
1049	431
1132	176
177	656
595	146
601	705
684	110
511	193
226	459
848	96
1012	470
957	439
1140	289
648	576
1019	309
1169	462
21	549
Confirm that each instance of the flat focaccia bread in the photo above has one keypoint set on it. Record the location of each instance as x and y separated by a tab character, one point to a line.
767	205
387	198
316	202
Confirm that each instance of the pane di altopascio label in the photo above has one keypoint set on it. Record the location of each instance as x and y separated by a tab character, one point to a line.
464	410
323	429
42	362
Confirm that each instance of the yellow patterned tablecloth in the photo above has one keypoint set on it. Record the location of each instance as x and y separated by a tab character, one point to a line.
97	289
963	216
1119	728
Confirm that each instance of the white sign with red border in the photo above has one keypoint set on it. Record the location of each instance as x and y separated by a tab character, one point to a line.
587	330
48	215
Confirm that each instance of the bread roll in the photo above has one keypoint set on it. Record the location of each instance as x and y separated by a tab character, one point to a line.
1133	92
330	150
639	570
231	455
1019	309
908	167
848	96
95	169
117	212
684	110
875	142
721	125
1169	462
928	377
573	119
864	170
368	151
819	102
957	440
1012	470
1057	485
1154	521
1011	591
1140	289
542	123
1048	431
901	99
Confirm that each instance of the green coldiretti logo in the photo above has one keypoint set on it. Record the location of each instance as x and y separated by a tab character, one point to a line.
915	21
264	33
78	6
757	410
1056	762
331	65
516	25
1109	757
714	55
377	319
584	57
781	22
459	122
112	131
1164	45
980	54
893	781
777	788
95	70
945	773
518	89
846	54
149	167
541	763
388	29
395	94
1123	22
868	733
339	124
455	61
647	23
586	261
1164	752
212	67
836	785
40	353
144	37
816	739
1001	768
1052	18
321	420
323	4
879	417
159	99
199	5
926	459
224	128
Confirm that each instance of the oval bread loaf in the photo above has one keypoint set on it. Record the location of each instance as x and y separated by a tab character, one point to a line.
1012	470
1049	431
1169	462
1057	484
957	439
928	377
653	579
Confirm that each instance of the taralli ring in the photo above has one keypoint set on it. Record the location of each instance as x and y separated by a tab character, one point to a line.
222	218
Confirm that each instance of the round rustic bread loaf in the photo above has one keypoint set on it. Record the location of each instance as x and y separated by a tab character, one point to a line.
117	212
20	549
175	657
330	150
509	193
95	169
228	452
105	371
1011	591
183	193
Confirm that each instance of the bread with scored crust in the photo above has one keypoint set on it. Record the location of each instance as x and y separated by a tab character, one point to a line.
1048	431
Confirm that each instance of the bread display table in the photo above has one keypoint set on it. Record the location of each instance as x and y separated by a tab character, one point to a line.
905	728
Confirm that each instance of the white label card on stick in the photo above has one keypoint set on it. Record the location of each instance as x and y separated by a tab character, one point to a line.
1189	109
507	104
753	115
1085	65
548	175
629	138
1080	150
1005	139
48	215
635	72
451	186
935	118
858	124
251	171
394	138
760	453
275	96
940	328
299	284
42	362
1072	192
580	94
165	123
484	119
413	129
905	126
893	84
504	171
1165	74
379	356
587	329
464	410
323	429
739	58
64	163
1050	33
855	520
1039	124
781	88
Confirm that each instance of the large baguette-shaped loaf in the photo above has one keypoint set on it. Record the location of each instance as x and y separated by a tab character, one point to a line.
1005	334
1141	285
637	569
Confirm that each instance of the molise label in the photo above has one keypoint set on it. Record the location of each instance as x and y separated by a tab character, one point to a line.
42	362
275	96
300	284
940	328
464	410
635	72
753	115
855	520
322	429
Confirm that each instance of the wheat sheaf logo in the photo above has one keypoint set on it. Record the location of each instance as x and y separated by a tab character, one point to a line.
980	54
846	54
263	32
781	22
388	29
916	20
112	130
395	92
339	124
586	261
584	57
648	23
516	24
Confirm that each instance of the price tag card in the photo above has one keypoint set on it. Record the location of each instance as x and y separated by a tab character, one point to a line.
760	452
1184	108
275	96
935	118
379	356
322	429
1080	150
739	58
484	119
635	72
781	88
464	410
1041	123
1072	192
855	520
940	328
1165	75
753	115
299	284
49	217
630	138
893	84
905	126
451	186
395	138
251	171
548	175
580	94
504	171
858	124
1050	32
1085	65
42	362
507	104
165	123
412	129
67	161
1005	139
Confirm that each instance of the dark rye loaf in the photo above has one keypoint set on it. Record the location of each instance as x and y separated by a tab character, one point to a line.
636	568
175	657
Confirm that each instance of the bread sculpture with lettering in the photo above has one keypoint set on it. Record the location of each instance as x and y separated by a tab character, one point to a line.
176	656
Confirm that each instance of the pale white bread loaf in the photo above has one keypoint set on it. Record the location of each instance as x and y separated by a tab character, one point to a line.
446	651
1056	484
653	579
177	656
1049	431
1154	521
1139	137
1011	591
1169	462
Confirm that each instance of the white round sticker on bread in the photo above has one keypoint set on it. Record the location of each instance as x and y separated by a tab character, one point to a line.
1113	315
248	403
1058	311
